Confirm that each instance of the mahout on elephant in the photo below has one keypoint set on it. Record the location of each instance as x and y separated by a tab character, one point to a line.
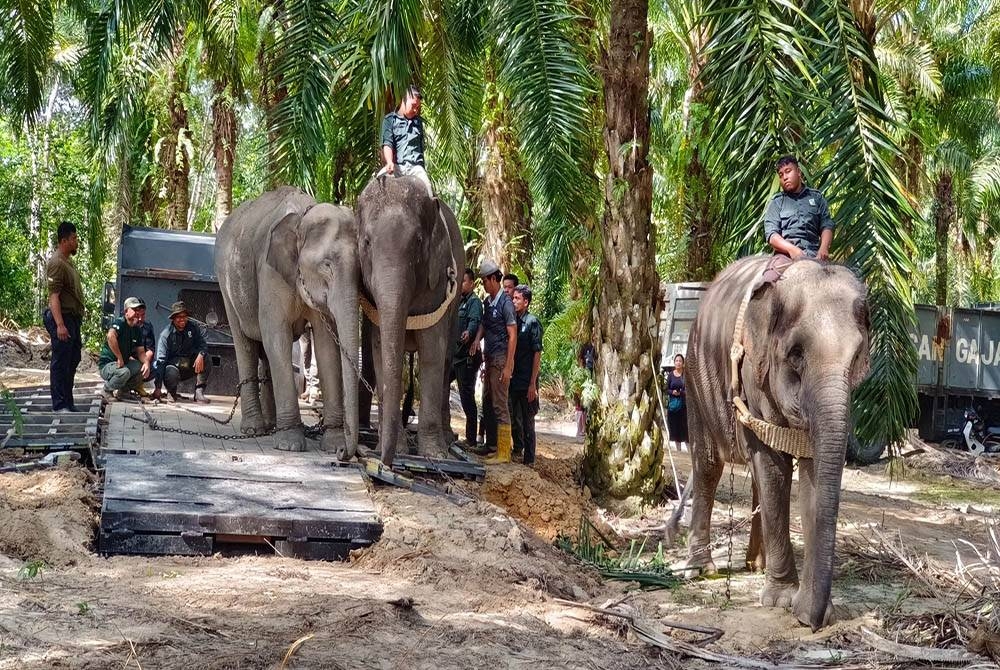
284	260
771	368
411	254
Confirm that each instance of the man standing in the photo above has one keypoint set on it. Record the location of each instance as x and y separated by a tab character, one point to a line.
123	358
181	353
797	223
403	139
510	282
500	331
465	366
63	318
524	382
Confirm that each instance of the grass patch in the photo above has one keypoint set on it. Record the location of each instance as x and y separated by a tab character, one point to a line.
949	494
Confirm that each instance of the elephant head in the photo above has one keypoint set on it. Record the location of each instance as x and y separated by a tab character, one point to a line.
316	252
813	353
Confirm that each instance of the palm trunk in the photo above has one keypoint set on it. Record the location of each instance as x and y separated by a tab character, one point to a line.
944	212
174	154
624	451
224	149
273	91
39	143
698	204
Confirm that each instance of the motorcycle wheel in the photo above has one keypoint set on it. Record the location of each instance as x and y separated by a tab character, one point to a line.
949	444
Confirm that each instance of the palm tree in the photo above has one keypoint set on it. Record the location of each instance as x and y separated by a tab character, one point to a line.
624	451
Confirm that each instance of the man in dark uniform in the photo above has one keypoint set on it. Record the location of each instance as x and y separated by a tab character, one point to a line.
63	318
465	366
524	381
403	139
499	326
797	223
181	353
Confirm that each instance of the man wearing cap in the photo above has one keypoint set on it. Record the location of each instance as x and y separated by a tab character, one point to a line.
122	357
403	139
181	353
499	331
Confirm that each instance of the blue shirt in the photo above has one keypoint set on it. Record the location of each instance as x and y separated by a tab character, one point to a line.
799	218
405	136
174	344
498	313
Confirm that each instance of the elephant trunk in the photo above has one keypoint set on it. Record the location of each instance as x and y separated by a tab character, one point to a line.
345	313
829	425
392	332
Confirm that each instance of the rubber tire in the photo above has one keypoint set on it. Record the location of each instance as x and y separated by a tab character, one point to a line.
858	454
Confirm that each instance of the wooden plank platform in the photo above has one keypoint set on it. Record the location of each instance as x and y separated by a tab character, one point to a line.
199	502
43	430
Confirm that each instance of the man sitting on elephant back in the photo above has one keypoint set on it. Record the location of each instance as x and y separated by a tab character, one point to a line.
797	223
499	326
181	353
403	139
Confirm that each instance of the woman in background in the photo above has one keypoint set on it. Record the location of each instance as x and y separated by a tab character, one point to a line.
677	424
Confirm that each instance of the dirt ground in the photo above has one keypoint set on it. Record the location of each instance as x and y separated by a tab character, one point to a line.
452	586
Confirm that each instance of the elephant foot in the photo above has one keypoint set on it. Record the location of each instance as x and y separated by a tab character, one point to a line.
432	445
699	565
290	439
255	425
777	594
802	609
333	439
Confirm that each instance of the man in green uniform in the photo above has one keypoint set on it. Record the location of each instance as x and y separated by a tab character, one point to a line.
403	140
123	362
500	332
797	223
63	318
465	366
524	381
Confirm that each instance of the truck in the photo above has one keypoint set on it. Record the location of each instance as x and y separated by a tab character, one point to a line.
958	353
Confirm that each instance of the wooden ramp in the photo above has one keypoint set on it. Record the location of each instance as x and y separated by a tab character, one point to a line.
180	493
200	502
34	427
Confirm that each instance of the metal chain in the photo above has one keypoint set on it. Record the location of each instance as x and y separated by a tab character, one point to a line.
729	570
350	359
236	401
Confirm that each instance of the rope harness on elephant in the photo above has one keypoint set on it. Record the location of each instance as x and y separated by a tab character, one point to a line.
783	438
422	321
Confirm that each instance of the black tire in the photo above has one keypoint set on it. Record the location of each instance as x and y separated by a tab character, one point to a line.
863	454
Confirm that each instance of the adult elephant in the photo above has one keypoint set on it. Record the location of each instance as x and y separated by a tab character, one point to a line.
283	260
801	347
412	257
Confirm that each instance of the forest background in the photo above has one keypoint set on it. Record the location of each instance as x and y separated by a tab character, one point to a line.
595	148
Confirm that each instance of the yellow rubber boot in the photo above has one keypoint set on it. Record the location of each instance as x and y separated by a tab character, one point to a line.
503	445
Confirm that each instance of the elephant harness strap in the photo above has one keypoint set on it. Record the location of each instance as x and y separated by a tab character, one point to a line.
789	440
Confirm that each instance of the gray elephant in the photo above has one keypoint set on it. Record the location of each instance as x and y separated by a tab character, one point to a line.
805	341
412	258
283	260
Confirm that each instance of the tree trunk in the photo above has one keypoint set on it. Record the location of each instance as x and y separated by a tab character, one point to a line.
224	148
272	92
39	142
944	212
624	451
175	158
505	198
698	205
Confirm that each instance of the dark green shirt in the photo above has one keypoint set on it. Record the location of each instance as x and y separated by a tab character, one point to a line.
470	313
799	218
405	136
497	315
529	342
129	337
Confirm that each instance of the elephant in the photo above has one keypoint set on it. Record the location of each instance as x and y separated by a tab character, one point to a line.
283	260
805	348
412	257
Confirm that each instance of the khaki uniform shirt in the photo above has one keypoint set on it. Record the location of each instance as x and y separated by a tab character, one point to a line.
65	280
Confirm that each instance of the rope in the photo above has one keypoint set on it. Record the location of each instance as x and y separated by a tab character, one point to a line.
419	321
789	440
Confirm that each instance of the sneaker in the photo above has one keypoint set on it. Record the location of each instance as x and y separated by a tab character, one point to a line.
107	395
199	396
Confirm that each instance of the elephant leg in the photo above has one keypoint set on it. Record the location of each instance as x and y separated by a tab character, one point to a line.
266	391
329	364
288	421
368	362
772	470
432	346
707	471
802	602
247	354
756	557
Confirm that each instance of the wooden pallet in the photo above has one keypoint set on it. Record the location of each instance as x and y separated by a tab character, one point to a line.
41	429
423	465
193	503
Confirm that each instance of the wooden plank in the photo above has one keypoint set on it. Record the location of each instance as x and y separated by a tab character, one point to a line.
154	544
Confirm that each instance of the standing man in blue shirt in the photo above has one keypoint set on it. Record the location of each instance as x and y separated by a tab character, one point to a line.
403	140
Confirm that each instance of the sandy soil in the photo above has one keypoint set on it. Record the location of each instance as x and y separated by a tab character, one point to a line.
448	587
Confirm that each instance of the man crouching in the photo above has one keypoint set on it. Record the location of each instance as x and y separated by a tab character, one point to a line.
181	353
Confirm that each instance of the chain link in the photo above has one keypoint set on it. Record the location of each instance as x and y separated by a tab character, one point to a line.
350	359
729	570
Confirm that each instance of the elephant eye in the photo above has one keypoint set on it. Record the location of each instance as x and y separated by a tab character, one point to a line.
795	357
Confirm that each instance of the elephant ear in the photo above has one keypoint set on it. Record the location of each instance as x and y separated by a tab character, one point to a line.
863	363
283	247
765	320
438	239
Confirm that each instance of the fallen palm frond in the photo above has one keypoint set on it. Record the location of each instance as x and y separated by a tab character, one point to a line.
628	565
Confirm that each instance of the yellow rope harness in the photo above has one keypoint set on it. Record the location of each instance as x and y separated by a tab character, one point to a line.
419	321
789	440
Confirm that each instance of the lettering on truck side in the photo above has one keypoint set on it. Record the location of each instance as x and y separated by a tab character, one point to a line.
967	351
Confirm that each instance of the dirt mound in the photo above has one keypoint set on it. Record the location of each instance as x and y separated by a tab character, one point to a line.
476	547
48	515
544	498
30	348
